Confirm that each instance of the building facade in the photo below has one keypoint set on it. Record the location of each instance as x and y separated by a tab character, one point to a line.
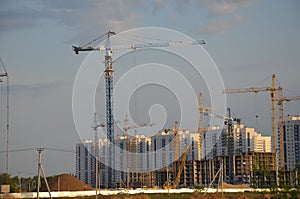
291	129
245	140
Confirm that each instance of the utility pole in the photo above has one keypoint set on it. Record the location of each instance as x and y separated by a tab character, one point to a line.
220	173
40	168
5	74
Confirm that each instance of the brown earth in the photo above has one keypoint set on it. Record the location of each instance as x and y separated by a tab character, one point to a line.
66	182
209	196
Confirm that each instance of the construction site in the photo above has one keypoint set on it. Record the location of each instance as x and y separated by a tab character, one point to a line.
153	99
233	159
231	156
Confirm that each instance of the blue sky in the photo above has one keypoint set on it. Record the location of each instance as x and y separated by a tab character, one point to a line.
248	40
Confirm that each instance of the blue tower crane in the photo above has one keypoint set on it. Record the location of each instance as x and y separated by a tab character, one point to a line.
109	73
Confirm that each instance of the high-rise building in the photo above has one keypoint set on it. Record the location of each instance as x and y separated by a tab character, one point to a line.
164	147
136	157
86	162
245	140
291	140
253	141
83	164
211	145
132	159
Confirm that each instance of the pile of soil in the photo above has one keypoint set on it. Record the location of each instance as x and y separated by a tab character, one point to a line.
209	196
66	182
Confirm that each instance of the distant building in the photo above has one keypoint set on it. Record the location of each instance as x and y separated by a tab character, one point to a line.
211	145
133	160
291	129
142	161
245	140
86	162
164	147
253	141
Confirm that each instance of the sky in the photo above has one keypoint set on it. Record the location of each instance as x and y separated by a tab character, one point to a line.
248	40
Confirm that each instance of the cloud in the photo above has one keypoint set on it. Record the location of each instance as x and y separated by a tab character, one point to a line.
239	17
214	7
228	6
218	27
90	14
91	17
158	5
223	15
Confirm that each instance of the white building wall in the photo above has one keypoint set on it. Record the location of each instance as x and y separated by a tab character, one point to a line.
291	142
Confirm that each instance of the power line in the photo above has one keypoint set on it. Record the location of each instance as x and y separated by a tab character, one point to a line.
60	150
18	150
33	149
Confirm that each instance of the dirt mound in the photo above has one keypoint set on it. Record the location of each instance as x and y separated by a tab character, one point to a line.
66	182
243	197
142	196
211	196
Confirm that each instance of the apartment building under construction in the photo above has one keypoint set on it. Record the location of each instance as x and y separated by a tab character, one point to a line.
253	169
147	162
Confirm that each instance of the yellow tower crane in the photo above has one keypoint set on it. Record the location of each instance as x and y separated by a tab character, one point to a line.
173	184
280	101
272	89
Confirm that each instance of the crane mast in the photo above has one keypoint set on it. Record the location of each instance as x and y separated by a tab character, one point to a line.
280	101
109	73
273	104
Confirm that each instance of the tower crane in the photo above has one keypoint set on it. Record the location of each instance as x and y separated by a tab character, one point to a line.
95	126
229	137
173	184
280	101
200	129
109	72
272	89
176	146
202	110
